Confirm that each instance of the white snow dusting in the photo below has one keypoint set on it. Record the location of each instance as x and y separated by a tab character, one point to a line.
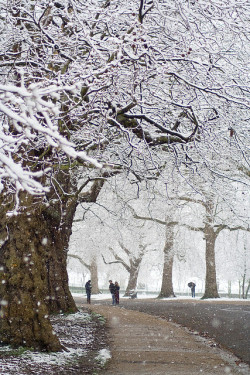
76	334
103	356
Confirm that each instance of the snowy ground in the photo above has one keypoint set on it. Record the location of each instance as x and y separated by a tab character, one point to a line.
107	296
83	336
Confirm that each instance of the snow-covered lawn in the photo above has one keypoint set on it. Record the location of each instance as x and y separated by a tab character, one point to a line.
78	333
107	296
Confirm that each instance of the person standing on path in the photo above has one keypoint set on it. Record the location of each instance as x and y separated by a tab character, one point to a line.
117	293
192	286
193	289
112	291
88	290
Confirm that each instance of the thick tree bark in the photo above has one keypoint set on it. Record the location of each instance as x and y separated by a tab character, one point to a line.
58	217
94	276
133	276
211	290
24	289
33	274
167	280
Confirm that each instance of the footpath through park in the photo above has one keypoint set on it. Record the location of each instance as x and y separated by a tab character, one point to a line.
142	344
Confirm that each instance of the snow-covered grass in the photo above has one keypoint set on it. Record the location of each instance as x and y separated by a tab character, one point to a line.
207	299
76	333
107	296
103	356
62	358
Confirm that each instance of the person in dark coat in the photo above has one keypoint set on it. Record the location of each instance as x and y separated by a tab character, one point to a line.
88	287
117	293
192	286
112	291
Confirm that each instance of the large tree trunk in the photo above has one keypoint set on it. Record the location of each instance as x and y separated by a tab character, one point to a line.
94	276
34	280
133	277
24	287
211	290
58	296
92	268
167	281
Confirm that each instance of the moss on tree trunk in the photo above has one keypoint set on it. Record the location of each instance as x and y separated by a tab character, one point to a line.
33	273
24	284
34	280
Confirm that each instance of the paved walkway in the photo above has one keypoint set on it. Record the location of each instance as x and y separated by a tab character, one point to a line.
141	344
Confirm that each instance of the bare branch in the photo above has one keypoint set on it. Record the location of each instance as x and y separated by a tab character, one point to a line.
124	248
80	260
147	218
231	229
117	261
162	128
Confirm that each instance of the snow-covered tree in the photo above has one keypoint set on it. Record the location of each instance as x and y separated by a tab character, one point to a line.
216	217
168	73
131	261
232	259
169	224
121	81
92	268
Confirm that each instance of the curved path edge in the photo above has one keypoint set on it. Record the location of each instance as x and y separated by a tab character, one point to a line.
142	344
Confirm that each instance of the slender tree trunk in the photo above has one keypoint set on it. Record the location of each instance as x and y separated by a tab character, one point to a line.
244	280
247	289
229	288
167	281
243	285
211	290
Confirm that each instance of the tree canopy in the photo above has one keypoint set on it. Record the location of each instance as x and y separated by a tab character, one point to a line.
94	88
123	83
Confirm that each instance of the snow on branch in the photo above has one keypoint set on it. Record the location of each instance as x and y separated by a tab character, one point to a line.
118	260
155	77
80	260
28	113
